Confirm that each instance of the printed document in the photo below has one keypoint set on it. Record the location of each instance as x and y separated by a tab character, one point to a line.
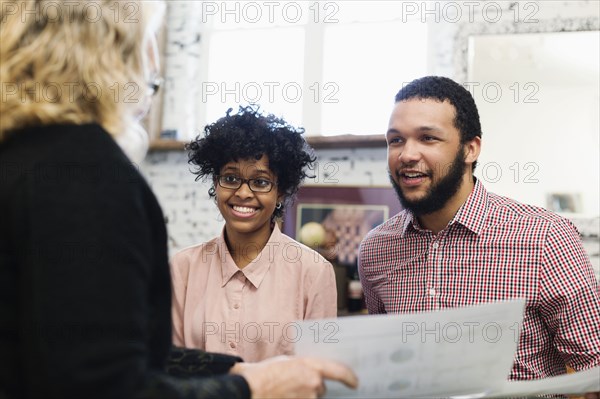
463	352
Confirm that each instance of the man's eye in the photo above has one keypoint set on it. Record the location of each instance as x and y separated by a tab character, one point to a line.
396	140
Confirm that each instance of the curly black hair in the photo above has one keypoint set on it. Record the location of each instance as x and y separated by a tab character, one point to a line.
251	134
442	89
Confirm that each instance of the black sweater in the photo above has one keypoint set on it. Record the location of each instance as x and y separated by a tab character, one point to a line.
85	293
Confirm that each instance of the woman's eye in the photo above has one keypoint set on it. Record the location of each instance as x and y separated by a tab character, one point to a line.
231	179
262	182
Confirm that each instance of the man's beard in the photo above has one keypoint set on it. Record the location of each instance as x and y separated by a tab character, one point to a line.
439	193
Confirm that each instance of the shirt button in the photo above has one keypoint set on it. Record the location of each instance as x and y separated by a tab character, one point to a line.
236	306
435	245
232	344
432	291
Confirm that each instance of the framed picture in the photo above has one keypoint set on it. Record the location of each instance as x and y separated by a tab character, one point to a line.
348	212
563	202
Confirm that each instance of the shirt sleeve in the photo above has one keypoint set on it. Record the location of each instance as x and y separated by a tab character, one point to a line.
570	297
90	314
322	295
179	286
372	299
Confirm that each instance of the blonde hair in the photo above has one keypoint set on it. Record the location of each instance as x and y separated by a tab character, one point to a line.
74	61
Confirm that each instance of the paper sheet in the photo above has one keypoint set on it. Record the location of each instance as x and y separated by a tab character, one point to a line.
457	352
576	383
461	353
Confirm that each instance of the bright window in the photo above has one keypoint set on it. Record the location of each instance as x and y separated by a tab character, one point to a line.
369	62
331	67
262	66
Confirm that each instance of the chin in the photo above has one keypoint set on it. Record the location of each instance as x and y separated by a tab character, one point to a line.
414	196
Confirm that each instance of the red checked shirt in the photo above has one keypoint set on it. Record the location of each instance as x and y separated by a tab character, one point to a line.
493	249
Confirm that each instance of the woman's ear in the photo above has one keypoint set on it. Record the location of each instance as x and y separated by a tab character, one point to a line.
280	203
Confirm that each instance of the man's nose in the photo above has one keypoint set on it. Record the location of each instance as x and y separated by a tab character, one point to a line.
410	152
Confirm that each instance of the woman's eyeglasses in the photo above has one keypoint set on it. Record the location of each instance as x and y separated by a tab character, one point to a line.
154	85
233	182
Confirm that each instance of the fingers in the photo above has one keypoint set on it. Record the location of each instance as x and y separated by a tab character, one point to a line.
292	377
238	368
275	359
334	371
321	390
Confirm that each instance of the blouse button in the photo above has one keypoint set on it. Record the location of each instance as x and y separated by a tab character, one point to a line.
232	345
236	306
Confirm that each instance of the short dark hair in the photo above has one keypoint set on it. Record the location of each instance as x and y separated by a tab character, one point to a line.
442	89
251	134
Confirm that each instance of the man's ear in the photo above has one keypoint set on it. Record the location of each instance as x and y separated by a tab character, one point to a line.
472	150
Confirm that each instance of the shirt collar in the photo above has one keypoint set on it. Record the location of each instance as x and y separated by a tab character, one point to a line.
471	214
256	270
409	221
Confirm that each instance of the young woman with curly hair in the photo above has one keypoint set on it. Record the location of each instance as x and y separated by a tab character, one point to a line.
241	292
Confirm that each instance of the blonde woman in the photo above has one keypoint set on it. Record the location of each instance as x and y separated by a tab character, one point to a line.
84	280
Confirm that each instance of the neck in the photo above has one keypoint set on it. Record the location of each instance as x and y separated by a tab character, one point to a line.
438	220
245	247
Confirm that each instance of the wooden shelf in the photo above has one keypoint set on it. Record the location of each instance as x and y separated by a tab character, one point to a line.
167	145
317	142
347	141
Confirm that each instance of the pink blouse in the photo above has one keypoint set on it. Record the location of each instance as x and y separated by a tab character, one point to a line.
249	312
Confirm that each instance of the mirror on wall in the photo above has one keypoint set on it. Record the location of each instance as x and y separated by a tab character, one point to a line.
539	101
